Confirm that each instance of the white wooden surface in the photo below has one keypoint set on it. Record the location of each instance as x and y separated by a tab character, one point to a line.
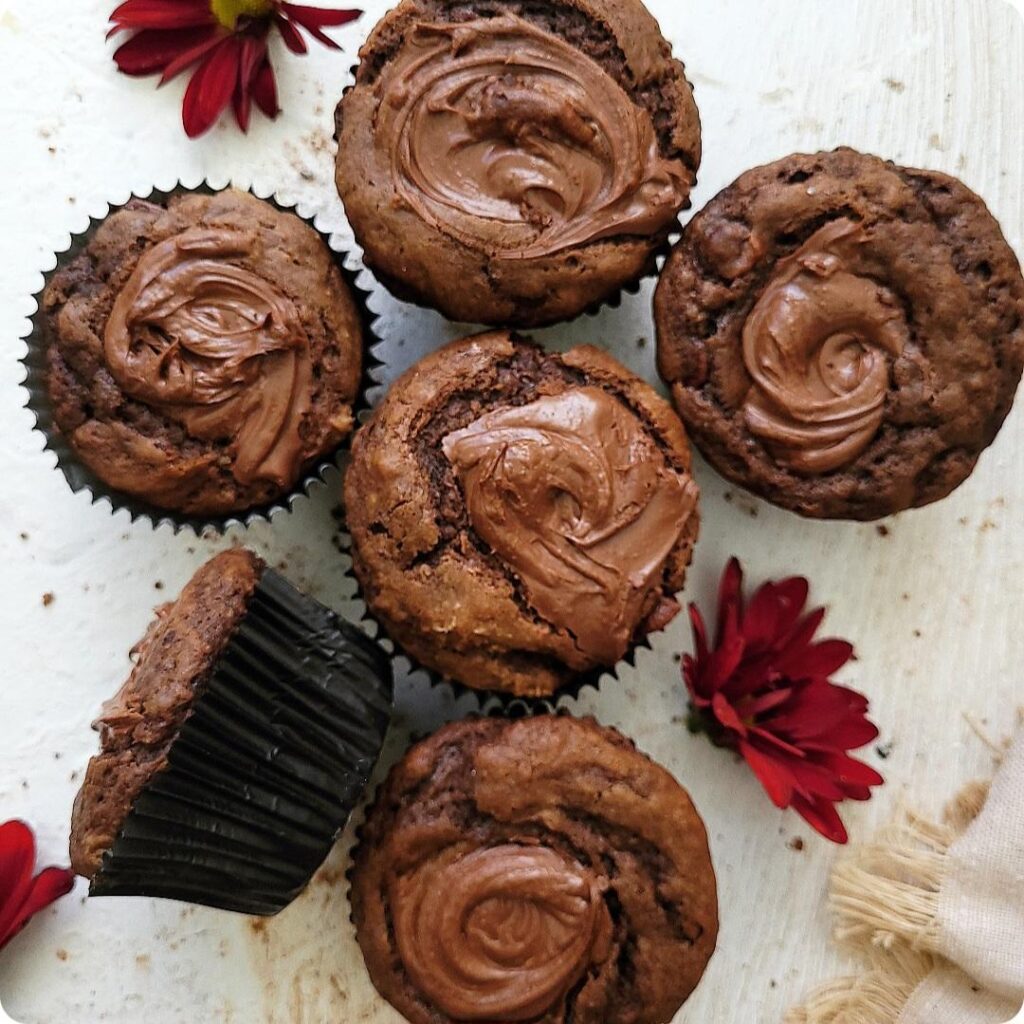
934	606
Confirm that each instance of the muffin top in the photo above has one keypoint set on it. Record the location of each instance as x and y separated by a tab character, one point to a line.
202	353
506	137
140	723
841	335
539	870
520	518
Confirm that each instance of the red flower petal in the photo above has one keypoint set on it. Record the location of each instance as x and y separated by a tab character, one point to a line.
730	595
771	774
319	17
162	14
291	35
151	50
192	56
249	60
823	818
211	88
765	689
264	90
21	895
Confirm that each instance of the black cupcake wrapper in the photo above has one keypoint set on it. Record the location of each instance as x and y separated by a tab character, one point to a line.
264	773
81	478
490	700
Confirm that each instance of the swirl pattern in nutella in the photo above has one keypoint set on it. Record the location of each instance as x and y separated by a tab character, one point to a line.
506	136
501	933
197	334
573	494
818	346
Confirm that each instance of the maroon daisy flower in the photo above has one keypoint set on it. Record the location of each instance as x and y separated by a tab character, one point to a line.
764	689
224	44
23	894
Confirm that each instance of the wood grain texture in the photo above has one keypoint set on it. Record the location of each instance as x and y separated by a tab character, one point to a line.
934	605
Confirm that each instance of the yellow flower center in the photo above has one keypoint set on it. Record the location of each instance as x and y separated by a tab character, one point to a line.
227	12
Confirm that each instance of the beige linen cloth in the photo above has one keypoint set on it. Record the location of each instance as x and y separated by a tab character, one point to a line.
936	913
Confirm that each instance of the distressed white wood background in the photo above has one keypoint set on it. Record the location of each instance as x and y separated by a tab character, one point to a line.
934	605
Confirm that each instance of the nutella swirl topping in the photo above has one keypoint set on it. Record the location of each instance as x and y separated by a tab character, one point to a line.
506	136
502	933
573	495
818	346
215	347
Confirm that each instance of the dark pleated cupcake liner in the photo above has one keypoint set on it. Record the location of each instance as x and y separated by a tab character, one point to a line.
488	700
265	772
81	478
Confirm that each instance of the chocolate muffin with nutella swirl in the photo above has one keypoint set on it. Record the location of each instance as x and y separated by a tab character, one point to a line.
843	336
540	870
202	352
514	162
521	519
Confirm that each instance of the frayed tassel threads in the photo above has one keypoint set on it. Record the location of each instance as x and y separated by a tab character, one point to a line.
876	997
885	899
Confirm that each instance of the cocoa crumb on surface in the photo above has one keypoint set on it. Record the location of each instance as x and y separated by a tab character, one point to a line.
48	599
158	585
884	750
796	844
882	530
62	955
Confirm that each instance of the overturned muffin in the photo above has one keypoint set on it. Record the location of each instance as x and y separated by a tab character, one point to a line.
843	336
513	163
520	519
539	870
233	754
202	352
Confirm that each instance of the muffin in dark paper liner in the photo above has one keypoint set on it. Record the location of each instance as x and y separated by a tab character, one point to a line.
233	755
537	868
521	520
195	449
577	142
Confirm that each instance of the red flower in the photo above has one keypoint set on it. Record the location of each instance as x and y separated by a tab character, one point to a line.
225	41
21	895
765	691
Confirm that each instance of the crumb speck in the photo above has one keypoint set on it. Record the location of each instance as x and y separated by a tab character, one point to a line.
23	535
884	750
158	585
882	530
48	599
895	84
918	634
796	844
62	955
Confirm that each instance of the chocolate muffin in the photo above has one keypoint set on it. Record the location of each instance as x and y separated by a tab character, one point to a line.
234	753
843	336
202	352
539	870
514	162
520	519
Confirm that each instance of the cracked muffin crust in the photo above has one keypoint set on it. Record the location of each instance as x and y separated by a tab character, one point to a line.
843	336
539	870
202	352
514	162
520	519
